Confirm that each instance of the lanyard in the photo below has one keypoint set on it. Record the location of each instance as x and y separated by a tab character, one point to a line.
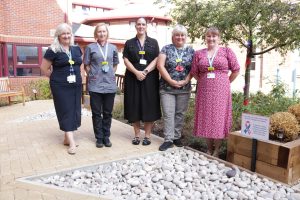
71	62
103	55
210	61
179	57
141	48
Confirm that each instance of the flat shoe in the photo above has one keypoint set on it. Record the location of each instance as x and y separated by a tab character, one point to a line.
67	143
136	141
72	150
146	141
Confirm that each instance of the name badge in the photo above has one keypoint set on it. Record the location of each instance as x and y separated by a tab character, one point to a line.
211	75
143	62
178	60
71	62
142	52
211	68
104	63
71	79
105	68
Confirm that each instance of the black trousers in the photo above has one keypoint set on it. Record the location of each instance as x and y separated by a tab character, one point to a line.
102	106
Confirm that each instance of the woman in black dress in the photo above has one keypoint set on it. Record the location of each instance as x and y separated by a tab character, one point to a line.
141	84
61	63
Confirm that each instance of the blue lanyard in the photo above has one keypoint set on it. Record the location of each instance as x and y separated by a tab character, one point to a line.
141	48
69	54
179	57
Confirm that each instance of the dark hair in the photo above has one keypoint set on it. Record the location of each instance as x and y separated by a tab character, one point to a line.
141	18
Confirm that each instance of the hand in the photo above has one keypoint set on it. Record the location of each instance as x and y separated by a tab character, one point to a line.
182	83
140	76
175	84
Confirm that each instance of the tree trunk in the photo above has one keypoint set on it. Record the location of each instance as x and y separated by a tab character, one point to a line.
247	72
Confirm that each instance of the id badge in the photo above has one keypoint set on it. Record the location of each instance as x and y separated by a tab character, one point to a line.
178	60
105	68
143	62
71	79
211	75
104	63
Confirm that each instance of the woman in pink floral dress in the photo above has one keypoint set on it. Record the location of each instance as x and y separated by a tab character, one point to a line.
213	102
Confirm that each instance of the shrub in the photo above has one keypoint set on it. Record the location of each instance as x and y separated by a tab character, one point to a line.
42	88
284	121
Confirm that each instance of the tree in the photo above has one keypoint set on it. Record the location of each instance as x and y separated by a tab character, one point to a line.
254	24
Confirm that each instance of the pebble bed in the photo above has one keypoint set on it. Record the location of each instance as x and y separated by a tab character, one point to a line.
177	174
46	115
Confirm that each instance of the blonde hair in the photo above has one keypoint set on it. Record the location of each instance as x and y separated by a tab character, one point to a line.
55	46
213	30
96	29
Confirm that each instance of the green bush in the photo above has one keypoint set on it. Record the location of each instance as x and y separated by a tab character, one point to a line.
42	88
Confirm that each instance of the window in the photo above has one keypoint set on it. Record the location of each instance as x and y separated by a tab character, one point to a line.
27	55
253	63
22	59
85	10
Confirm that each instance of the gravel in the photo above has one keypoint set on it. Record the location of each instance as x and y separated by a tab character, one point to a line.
177	174
46	115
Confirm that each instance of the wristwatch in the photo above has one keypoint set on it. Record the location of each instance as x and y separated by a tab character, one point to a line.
146	71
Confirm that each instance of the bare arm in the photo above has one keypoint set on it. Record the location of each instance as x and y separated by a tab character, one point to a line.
139	74
233	75
46	67
87	69
163	72
151	66
115	68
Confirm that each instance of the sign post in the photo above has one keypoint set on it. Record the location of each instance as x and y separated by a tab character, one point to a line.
256	127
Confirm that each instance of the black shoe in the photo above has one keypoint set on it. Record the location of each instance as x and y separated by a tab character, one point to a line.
146	141
136	141
178	143
165	146
107	142
99	143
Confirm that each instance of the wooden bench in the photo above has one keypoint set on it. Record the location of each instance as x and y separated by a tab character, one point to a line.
120	82
6	90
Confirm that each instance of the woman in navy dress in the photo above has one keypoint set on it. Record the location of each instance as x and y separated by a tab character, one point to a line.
141	86
61	63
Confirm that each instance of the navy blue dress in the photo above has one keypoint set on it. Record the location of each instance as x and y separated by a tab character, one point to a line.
66	96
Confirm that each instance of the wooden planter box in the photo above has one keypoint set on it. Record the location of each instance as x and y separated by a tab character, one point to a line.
280	161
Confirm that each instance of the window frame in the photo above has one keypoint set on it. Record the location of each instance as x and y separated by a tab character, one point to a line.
15	61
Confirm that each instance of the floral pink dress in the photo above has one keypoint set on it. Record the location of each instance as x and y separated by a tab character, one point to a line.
213	105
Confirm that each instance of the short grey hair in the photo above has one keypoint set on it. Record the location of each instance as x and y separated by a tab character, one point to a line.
55	46
179	29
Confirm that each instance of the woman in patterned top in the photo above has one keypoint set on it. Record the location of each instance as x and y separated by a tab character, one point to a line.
174	64
213	101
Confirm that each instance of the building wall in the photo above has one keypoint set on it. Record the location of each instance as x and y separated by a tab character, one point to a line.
30	21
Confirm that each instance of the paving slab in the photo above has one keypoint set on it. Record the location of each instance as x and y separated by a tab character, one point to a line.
35	147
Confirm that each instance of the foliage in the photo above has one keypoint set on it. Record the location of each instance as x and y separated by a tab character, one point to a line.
272	24
261	104
286	122
42	88
118	111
